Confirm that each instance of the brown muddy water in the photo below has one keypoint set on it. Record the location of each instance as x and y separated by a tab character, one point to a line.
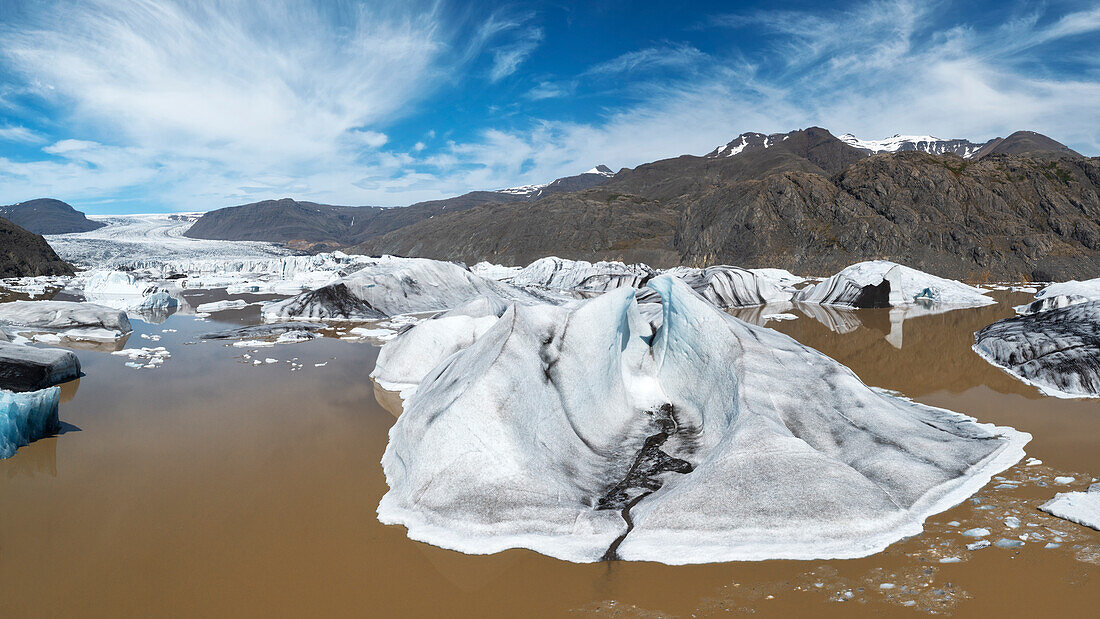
212	486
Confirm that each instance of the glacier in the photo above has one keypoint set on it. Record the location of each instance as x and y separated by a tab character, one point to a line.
123	291
27	417
1055	350
881	283
582	431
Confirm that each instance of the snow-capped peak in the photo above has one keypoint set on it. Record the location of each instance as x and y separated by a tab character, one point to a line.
602	170
923	143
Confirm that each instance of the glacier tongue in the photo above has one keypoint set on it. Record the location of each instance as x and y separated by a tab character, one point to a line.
750	445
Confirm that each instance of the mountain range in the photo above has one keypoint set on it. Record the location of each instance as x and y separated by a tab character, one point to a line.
25	254
1022	207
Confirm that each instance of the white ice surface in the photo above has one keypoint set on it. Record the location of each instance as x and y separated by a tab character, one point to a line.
514	440
69	318
390	286
406	359
1080	507
561	274
26	417
123	291
907	286
729	286
1062	294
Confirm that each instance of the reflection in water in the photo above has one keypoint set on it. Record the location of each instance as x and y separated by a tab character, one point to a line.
69	389
758	314
390	400
38	458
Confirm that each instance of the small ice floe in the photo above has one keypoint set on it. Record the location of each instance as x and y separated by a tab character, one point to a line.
1052	545
951	560
221	306
270	360
378	333
1008	543
954	523
779	317
886	585
976	532
1080	507
168	331
1063	481
978	545
1012	522
147	358
320	365
1033	462
152	338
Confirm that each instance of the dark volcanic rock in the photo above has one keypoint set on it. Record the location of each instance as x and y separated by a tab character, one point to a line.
1024	143
26	368
1057	350
25	254
809	203
48	216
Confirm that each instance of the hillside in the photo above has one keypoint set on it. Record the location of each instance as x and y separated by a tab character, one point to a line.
323	226
48	216
808	202
25	254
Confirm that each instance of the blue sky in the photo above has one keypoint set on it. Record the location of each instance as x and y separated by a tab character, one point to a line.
171	105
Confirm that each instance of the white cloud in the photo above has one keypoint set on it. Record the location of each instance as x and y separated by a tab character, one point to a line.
20	134
507	58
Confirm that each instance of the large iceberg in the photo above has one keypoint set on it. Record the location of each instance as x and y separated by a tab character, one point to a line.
26	417
407	359
880	283
1080	507
728	286
123	291
560	274
1056	350
583	432
393	286
1061	295
26	368
69	318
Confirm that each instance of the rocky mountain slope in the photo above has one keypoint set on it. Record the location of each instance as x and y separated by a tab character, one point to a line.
25	254
1027	207
48	216
321	226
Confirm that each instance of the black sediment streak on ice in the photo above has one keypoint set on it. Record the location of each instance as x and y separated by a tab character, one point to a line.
642	477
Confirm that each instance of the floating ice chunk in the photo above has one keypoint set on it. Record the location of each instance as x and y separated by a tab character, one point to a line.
1064	480
1033	462
954	523
880	283
978	545
123	291
1062	294
270	360
221	306
1012	522
1056	350
559	420
1008	543
976	532
26	368
561	274
266	330
26	417
68	318
1080	507
950	560
395	286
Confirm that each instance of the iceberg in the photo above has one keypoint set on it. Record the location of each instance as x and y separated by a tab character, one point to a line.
1080	507
560	274
1062	294
406	359
26	417
254	332
123	291
1055	350
69	318
394	286
26	368
221	306
880	283
728	286
583	432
